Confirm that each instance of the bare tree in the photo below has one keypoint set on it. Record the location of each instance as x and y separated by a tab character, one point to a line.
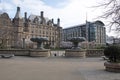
6	36
112	12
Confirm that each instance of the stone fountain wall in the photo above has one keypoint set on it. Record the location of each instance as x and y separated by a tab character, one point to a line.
23	52
26	52
39	53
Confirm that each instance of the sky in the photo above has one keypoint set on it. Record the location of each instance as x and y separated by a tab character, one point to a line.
70	12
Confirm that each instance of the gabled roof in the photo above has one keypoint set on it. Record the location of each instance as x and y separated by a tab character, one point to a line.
32	17
4	14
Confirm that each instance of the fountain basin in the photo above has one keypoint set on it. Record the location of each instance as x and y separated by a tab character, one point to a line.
39	42
75	53
76	50
40	53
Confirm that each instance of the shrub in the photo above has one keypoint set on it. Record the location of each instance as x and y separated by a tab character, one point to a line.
112	53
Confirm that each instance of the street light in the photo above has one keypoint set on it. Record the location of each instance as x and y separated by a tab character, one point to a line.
23	43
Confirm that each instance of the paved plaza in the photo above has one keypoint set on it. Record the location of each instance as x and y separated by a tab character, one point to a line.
54	68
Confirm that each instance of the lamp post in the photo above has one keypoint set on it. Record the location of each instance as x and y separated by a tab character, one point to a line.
23	43
7	40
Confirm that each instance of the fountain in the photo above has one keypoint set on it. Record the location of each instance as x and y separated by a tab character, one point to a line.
76	50
40	50
39	42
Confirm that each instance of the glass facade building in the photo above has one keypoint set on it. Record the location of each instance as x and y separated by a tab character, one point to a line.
92	31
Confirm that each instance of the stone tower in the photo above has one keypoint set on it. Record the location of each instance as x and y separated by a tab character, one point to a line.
18	28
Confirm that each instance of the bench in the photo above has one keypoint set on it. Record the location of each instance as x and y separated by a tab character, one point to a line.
6	55
104	57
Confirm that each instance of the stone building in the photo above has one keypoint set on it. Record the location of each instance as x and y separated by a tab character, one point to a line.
6	31
94	32
25	28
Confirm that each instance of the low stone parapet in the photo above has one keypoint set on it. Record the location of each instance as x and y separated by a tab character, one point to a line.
75	53
16	52
85	53
94	52
27	52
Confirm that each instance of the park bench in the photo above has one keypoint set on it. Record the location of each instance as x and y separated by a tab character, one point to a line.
104	57
6	55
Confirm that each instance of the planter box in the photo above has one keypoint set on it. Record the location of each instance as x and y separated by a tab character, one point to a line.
112	67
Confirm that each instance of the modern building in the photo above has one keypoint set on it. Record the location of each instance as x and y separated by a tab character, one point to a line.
94	32
112	40
25	28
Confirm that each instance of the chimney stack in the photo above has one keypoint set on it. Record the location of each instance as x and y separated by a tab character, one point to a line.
18	9
18	13
52	20
42	14
25	16
58	21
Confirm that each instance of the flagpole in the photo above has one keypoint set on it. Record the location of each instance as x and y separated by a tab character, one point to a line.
87	46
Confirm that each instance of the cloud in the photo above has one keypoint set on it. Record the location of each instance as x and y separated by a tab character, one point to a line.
72	13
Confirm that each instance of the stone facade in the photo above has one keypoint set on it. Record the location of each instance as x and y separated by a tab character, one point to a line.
24	28
6	31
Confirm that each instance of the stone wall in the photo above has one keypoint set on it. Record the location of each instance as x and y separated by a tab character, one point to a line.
22	52
30	52
94	52
89	53
16	52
